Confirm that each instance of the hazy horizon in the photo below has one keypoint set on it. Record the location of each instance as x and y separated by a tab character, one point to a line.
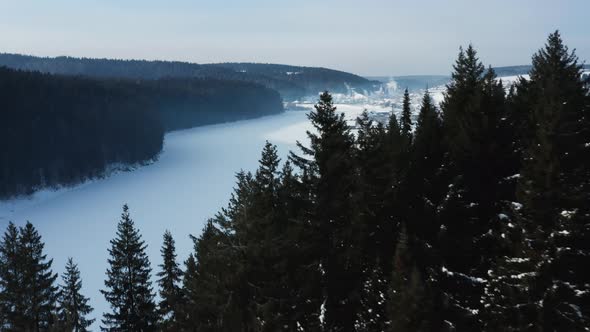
375	38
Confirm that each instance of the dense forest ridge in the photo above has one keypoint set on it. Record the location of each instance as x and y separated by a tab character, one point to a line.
445	228
293	82
58	130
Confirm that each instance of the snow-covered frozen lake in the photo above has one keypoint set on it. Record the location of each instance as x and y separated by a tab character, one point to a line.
190	182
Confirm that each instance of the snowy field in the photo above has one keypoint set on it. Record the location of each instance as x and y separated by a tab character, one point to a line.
190	182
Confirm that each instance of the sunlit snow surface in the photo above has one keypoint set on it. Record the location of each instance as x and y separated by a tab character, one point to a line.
510	80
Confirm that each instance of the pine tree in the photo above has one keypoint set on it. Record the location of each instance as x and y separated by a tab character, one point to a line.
285	301
11	283
300	265
495	138
395	153
217	288
401	141
212	284
537	285
376	178
406	119
73	306
375	192
169	276
558	107
553	190
470	123
394	130
332	168
260	232
128	286
555	196
424	186
187	313
414	288
27	292
428	134
403	159
461	107
223	250
40	293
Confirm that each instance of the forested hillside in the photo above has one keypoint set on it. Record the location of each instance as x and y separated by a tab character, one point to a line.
476	220
310	79
291	81
57	130
60	130
189	102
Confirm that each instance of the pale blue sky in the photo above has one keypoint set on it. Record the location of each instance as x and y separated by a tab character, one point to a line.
369	37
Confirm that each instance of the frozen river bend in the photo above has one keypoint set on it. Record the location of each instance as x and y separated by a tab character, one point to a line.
190	182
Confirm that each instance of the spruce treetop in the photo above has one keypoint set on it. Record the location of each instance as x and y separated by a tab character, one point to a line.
554	56
128	287
170	276
406	119
266	175
73	306
467	70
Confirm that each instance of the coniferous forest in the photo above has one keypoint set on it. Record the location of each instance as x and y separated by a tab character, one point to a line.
73	128
474	218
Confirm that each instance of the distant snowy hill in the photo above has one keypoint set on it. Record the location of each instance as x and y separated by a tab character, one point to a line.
293	82
420	82
518	70
310	80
